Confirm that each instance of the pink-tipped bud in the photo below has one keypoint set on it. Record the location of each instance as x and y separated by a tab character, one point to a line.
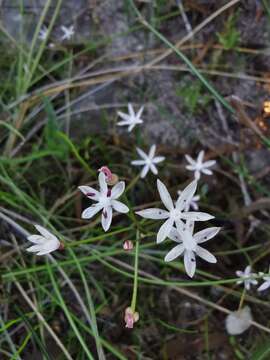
61	246
128	245
111	179
131	318
107	172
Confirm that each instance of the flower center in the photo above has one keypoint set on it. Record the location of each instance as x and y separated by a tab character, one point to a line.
189	242
175	214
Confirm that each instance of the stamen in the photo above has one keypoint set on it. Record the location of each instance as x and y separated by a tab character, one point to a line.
109	192
105	214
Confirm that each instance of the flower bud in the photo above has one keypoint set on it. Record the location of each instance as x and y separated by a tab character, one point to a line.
128	245
111	179
131	317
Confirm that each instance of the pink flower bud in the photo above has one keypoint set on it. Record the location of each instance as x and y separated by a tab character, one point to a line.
128	245
131	317
107	172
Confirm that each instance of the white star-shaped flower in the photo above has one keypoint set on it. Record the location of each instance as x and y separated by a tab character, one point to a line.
148	161
175	214
106	200
44	243
266	284
247	277
188	245
132	119
238	321
42	35
198	166
193	202
68	32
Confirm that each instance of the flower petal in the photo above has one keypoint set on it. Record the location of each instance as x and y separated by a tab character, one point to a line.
138	162
164	230
106	218
186	195
200	156
153	213
190	263
206	234
196	216
174	235
139	113
46	233
209	163
131	110
154	169
174	253
34	248
190	160
123	116
197	175
119	206
36	239
158	159
118	190
164	195
91	211
264	286
142	154
89	192
205	255
102	183
207	171
144	171
152	151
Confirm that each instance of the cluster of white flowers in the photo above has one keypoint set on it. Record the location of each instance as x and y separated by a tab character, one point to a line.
68	32
179	226
248	278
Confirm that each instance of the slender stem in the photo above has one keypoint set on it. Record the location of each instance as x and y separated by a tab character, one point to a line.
242	299
136	266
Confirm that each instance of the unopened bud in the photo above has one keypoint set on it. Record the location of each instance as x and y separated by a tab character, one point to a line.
128	245
131	317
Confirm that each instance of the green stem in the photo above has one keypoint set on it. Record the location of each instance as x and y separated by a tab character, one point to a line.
136	267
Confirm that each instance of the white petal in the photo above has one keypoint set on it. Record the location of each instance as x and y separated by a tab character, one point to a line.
200	156
139	113
190	167
164	230
138	162
36	239
174	253
206	234
207	171
190	263
205	255
144	171
239	273
152	151
102	183
91	211
118	190
142	154
196	216
106	218
120	207
46	233
190	160
247	270
186	195
164	195
123	123
175	235
89	192
124	116
154	169
209	163
264	286
131	127
158	159
131	110
153	213
34	248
